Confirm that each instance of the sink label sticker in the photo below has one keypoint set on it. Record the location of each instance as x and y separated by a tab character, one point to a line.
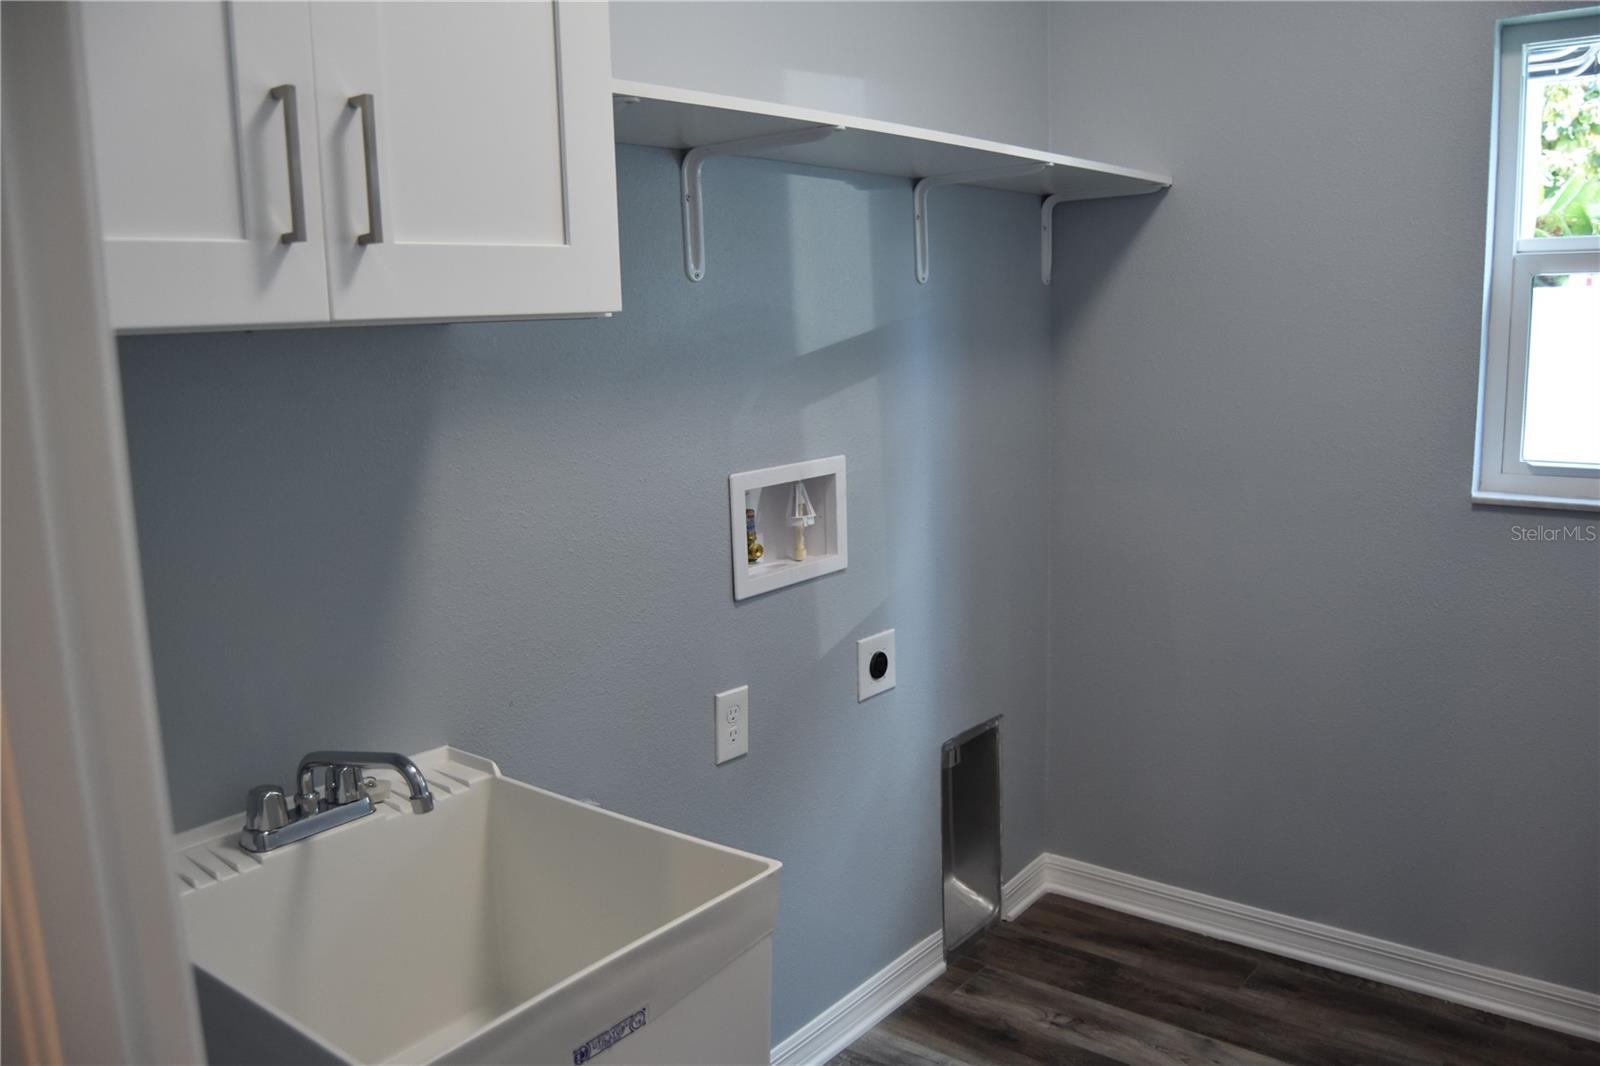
631	1024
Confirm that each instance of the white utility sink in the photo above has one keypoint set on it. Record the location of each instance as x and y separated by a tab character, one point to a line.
508	925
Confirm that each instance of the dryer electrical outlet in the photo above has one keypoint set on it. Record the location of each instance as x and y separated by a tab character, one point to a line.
874	665
733	723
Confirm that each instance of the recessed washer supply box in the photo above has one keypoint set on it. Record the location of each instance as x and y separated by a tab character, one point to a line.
507	925
770	491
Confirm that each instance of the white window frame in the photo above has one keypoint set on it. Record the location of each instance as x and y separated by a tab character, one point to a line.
1499	476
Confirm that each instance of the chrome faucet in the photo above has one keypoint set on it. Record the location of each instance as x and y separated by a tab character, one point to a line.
271	821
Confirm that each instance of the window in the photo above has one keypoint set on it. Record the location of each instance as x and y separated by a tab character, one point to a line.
1539	398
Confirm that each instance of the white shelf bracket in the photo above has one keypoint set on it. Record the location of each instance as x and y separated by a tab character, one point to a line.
919	200
694	229
1047	213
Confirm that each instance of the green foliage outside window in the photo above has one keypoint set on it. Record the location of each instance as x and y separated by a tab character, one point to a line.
1570	138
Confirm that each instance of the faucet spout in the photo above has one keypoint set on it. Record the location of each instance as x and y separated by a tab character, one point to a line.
420	795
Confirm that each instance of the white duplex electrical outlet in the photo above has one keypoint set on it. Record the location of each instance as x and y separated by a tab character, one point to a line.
874	665
733	723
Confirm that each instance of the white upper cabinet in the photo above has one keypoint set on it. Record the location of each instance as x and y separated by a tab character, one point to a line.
478	153
193	158
455	161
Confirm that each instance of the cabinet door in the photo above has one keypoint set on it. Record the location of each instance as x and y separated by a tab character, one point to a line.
477	159
192	154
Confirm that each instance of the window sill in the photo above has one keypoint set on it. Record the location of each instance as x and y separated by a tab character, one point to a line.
1517	499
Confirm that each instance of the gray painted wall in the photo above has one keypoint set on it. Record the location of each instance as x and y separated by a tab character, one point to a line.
514	537
1292	665
968	67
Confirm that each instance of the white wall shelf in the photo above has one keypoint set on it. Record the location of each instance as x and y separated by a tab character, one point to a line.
703	124
827	542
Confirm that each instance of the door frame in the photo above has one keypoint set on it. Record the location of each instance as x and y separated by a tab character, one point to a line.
108	976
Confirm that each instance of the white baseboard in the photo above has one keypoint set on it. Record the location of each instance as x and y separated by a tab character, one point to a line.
1029	883
866	1005
1527	999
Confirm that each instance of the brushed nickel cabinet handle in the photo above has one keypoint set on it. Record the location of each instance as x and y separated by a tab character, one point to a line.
286	95
369	151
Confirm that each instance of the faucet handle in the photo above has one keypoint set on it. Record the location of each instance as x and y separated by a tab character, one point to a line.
265	808
308	800
344	785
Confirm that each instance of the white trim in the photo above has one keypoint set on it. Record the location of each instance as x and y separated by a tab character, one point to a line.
1025	888
1549	16
1513	499
866	1005
85	748
1528	999
1499	476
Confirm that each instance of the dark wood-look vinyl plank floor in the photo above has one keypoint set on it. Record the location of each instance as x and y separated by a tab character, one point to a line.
1069	982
